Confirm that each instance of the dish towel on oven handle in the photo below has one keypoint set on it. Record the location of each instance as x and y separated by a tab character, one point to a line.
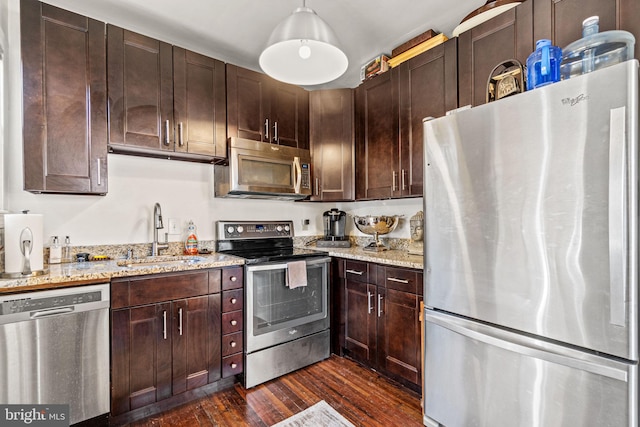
296	274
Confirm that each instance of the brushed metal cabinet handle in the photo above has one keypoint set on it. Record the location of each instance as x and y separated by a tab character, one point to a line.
233	344
180	134
369	303
380	301
234	300
393	279
403	179
180	321
166	132
275	131
164	324
99	162
266	130
234	365
359	273
394	179
317	187
234	322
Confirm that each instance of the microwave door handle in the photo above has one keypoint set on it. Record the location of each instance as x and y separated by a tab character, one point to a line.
298	174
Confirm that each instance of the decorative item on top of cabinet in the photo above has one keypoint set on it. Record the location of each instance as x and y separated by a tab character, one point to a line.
164	101
389	113
332	144
504	37
64	101
263	109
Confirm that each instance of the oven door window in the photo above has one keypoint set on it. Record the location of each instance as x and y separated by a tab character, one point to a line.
275	306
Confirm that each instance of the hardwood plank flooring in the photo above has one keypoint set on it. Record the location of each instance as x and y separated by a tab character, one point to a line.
361	395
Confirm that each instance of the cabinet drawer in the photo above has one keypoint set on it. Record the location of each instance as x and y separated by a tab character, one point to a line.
232	278
232	365
232	300
232	322
358	271
403	279
232	344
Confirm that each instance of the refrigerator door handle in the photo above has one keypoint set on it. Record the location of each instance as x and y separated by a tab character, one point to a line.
501	339
618	207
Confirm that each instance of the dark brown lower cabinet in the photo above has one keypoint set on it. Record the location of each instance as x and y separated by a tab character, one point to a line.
381	319
166	336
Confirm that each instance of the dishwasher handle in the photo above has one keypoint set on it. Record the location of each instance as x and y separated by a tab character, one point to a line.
52	312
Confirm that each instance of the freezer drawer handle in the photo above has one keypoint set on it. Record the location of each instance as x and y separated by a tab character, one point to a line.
583	365
618	207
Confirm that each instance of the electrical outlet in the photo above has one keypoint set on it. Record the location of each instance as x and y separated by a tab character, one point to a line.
173	226
305	224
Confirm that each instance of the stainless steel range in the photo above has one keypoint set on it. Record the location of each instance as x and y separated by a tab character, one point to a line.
286	298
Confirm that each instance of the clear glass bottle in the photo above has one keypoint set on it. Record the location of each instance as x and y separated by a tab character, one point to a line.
595	50
66	250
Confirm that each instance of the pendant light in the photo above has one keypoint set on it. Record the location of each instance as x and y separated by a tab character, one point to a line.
303	50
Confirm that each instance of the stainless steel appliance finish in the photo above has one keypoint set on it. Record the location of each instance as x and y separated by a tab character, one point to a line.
56	349
264	171
335	222
531	282
286	327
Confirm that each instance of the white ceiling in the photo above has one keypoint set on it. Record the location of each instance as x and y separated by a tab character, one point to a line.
235	31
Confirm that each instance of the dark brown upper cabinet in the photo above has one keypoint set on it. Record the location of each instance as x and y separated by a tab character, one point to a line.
263	109
480	49
332	140
390	109
164	101
427	86
64	101
561	20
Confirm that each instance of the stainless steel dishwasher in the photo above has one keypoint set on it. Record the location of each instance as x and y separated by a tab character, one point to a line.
55	349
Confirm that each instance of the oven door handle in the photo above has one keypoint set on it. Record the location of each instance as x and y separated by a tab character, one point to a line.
283	265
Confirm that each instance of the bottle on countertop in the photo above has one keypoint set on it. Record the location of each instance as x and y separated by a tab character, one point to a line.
191	242
55	251
66	250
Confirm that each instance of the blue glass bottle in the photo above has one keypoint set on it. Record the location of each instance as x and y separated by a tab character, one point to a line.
543	65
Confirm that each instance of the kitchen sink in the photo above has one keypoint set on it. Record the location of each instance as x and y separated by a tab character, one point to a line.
160	260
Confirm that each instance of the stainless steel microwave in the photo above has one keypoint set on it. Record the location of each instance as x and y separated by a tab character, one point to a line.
264	171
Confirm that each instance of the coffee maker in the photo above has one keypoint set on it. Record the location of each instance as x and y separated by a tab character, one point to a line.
334	230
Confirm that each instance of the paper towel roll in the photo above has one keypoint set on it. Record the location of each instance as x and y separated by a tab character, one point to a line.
13	226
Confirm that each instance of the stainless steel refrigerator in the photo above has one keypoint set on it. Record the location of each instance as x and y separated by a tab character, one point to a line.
531	258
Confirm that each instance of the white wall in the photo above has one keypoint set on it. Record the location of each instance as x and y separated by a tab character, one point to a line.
184	189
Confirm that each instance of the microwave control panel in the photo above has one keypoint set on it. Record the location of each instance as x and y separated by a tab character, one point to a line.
305	181
229	230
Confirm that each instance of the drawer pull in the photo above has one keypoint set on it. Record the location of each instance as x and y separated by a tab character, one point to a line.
234	300
233	344
233	279
234	322
164	324
180	321
393	279
369	304
359	273
234	365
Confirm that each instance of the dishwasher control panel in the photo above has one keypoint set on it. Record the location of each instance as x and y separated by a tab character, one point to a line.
24	303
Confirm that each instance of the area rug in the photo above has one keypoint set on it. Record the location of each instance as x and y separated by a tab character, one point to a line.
320	414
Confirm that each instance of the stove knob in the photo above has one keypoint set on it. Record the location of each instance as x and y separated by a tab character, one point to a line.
230	229
287	228
279	228
240	229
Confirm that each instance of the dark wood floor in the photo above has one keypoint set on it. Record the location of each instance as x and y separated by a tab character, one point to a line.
362	396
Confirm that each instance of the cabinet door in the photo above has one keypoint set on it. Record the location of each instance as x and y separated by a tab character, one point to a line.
140	79
332	144
289	114
199	91
376	139
504	37
399	326
141	356
360	323
247	104
64	93
190	338
427	87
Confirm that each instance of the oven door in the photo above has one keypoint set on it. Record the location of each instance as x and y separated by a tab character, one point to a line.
275	313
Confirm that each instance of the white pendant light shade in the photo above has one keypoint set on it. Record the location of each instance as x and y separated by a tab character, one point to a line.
303	50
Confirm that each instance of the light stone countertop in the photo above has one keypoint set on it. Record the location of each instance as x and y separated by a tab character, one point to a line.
84	273
394	257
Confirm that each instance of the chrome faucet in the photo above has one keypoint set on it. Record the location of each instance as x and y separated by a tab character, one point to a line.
157	225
